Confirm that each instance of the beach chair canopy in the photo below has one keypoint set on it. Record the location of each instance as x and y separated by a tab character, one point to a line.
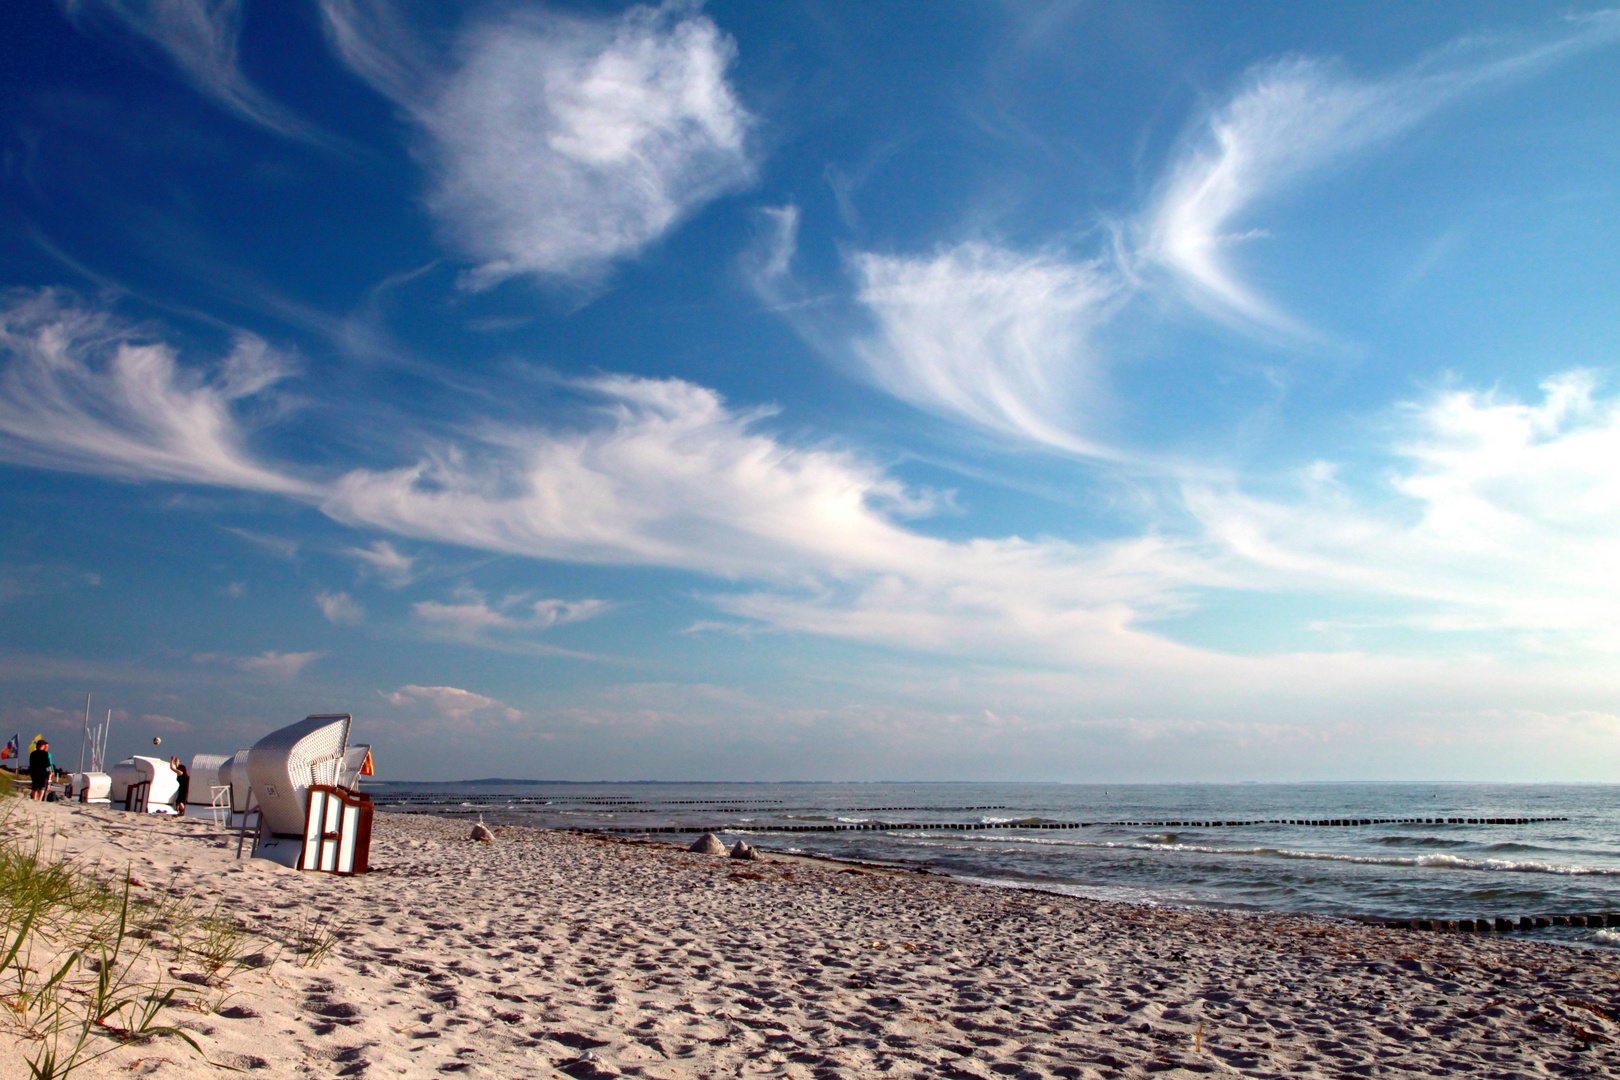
283	764
149	770
354	766
91	787
205	773
233	774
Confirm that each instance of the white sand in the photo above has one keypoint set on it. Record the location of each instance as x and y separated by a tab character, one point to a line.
549	955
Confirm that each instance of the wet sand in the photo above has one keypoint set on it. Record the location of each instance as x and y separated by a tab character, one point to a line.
549	955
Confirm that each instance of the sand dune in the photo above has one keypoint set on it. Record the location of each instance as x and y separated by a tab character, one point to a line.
551	955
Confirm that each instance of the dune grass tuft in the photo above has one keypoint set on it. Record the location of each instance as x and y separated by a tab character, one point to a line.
85	966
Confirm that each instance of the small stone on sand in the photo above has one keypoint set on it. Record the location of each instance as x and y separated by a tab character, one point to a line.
482	832
743	851
708	844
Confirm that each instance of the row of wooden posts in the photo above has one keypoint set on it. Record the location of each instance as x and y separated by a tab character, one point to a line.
1500	925
975	826
1466	926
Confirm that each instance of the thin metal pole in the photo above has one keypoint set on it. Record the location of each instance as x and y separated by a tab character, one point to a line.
241	836
84	737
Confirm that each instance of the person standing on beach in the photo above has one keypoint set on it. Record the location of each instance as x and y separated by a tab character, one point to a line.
40	767
184	791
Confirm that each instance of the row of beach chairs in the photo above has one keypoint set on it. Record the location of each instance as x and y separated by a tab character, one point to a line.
295	793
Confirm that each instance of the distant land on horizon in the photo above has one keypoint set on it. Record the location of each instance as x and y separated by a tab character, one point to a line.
491	781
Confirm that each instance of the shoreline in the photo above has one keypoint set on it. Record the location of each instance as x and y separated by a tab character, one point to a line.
550	955
1451	925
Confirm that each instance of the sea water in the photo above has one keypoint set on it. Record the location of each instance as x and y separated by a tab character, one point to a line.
1401	871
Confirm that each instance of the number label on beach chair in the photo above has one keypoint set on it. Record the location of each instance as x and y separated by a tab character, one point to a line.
337	831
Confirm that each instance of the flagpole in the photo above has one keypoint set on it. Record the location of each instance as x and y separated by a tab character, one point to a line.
86	736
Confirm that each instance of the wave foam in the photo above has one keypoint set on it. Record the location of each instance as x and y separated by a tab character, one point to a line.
1436	861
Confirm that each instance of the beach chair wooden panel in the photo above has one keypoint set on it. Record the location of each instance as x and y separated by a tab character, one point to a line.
337	831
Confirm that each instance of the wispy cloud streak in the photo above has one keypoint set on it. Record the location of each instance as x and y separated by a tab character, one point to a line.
1008	341
200	38
1502	516
1292	118
83	392
664	473
995	338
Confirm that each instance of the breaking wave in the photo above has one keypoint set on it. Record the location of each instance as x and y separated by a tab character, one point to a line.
1434	861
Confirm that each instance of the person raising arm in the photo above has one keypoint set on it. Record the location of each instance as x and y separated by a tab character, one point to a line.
184	791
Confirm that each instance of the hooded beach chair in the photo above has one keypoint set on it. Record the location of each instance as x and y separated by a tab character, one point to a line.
307	819
144	785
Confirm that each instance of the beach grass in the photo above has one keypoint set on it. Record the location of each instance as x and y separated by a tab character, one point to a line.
86	966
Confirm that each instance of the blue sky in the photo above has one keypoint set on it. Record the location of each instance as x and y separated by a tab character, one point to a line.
1058	391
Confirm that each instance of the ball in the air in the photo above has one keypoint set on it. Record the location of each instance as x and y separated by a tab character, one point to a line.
156	741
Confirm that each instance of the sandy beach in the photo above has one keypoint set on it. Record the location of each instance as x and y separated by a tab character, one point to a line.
551	954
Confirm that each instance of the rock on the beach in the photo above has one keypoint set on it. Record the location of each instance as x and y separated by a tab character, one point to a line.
482	832
708	844
743	851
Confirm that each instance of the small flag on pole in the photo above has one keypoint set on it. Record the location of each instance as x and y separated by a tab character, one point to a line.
365	766
13	748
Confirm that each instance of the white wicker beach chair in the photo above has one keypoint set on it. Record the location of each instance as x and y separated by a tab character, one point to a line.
145	785
92	787
282	767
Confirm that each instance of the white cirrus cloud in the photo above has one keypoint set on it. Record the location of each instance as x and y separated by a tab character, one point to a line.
548	613
200	39
395	568
81	391
559	143
453	703
506	623
1008	341
1501	515
46	716
664	473
159	722
340	608
981	334
1291	119
281	665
